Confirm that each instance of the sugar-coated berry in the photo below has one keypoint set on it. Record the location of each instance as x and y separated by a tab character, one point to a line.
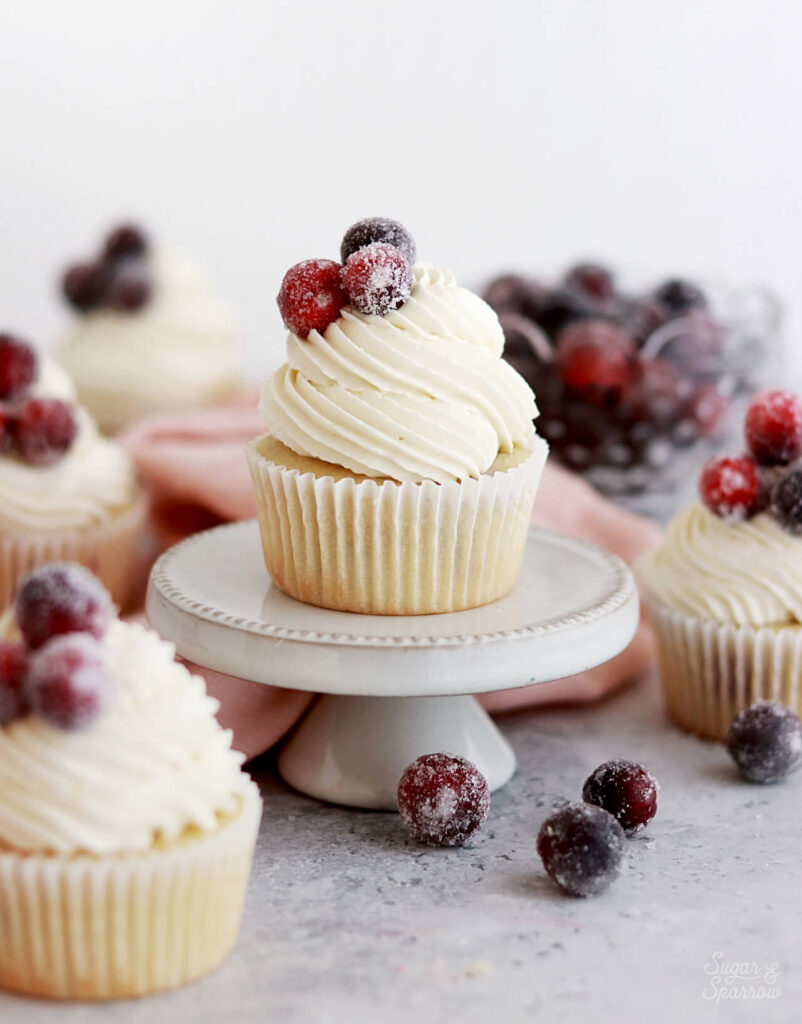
786	501
678	296
377	229
732	487
8	429
773	427
582	848
511	293
592	280
765	741
377	278
562	307
84	285
130	286
58	598
595	360
661	391
311	296
625	789
707	409
13	670
18	365
69	681
443	799
124	242
45	429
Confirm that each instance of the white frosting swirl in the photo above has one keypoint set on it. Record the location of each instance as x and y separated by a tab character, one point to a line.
155	764
178	351
94	478
420	393
748	573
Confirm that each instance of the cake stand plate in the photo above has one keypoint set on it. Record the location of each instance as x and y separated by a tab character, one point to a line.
394	687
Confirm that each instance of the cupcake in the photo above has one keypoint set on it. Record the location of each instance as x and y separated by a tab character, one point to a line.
400	463
127	826
724	589
149	336
66	493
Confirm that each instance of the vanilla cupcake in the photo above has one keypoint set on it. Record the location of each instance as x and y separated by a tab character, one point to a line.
66	493
127	826
724	589
400	463
149	337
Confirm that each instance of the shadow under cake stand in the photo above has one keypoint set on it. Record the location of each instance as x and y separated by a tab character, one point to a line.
393	687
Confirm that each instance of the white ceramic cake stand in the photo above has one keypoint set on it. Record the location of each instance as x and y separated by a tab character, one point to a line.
394	687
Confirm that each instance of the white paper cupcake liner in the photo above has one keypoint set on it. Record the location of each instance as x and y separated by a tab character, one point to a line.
109	550
114	927
711	670
385	548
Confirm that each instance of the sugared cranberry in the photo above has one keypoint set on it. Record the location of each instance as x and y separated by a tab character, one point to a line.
13	666
512	293
69	681
707	409
591	280
377	229
130	286
786	501
124	242
732	487
8	429
765	741
311	296
60	598
443	799
661	391
18	365
45	429
773	427
84	285
582	847
679	295
377	278
625	789
560	308
595	360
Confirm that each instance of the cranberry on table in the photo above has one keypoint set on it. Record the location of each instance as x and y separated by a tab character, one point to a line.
377	278
773	427
18	365
84	285
311	296
625	789
124	242
69	681
786	501
377	229
678	296
582	848
443	799
765	741
44	430
59	598
732	487
595	360
13	668
592	280
130	286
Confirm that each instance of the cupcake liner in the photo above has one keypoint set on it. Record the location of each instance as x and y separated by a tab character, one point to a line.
109	550
388	548
113	927
712	670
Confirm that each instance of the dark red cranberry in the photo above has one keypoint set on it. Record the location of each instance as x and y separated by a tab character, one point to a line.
679	295
595	360
560	308
130	287
642	317
592	280
125	242
13	668
443	799
377	278
84	285
512	293
765	741
69	681
311	296
60	598
8	429
625	789
707	410
45	429
732	487
786	501
18	365
773	427
582	848
377	229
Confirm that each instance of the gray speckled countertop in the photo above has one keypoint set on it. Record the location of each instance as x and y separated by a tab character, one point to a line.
347	921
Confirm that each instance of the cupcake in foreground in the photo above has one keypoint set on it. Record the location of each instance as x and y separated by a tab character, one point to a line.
65	492
724	590
149	335
401	463
127	826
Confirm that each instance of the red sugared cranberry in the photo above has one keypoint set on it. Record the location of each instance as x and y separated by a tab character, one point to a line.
311	296
60	598
124	242
17	366
443	799
679	295
707	409
45	429
591	280
773	427
377	278
661	391
582	847
13	666
786	501
595	360
130	286
626	790
732	487
765	741
84	285
377	229
69	682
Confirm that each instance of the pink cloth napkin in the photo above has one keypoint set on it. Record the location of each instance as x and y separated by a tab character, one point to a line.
197	475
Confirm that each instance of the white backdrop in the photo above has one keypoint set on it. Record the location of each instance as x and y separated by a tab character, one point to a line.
664	135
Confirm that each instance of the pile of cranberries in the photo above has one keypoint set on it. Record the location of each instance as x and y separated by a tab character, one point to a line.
39	430
374	275
118	278
769	475
59	671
